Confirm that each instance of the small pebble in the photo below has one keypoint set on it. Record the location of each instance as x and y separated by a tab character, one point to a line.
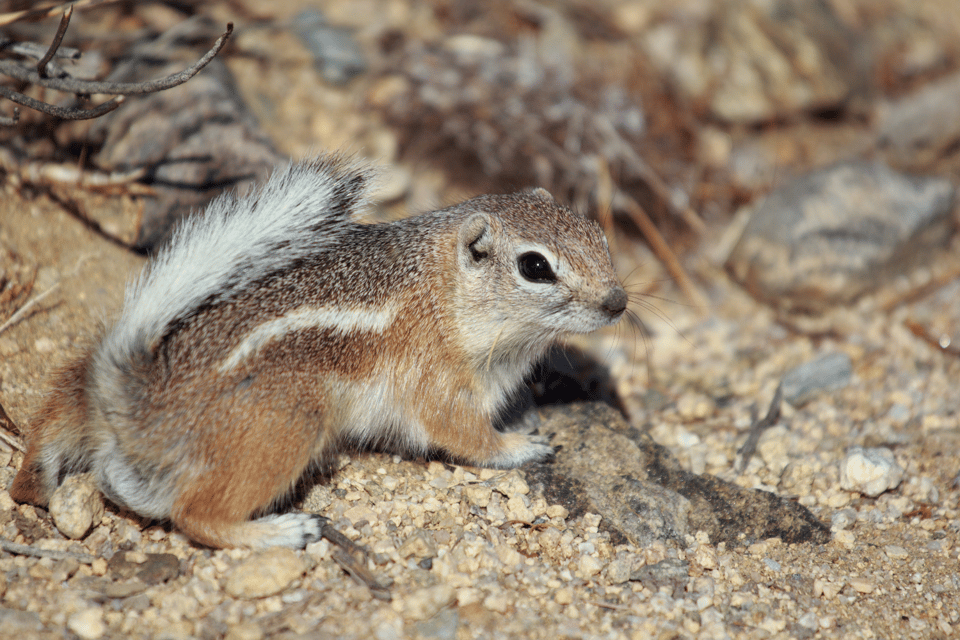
419	545
827	588
265	574
88	624
557	511
512	484
845	539
862	585
76	506
808	621
618	571
245	631
477	495
843	519
589	567
774	449
518	510
896	552
427	602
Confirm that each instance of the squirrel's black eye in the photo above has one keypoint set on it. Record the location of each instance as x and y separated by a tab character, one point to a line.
535	268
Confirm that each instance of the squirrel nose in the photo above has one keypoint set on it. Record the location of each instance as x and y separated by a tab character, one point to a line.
615	302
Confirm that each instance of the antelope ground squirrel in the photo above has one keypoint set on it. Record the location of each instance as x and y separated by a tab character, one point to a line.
275	329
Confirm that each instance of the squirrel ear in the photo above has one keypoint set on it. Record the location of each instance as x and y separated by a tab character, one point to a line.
543	194
476	238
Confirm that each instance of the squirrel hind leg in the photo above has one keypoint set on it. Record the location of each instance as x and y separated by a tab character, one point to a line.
217	514
59	442
247	474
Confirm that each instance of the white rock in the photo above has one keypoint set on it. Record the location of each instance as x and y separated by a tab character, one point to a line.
88	623
76	505
870	471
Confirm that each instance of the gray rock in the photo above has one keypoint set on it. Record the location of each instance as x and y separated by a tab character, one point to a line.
927	121
827	373
19	623
606	467
157	568
442	626
843	519
755	61
420	545
336	54
87	623
828	237
666	572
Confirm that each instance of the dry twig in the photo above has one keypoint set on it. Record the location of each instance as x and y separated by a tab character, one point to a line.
27	550
22	311
352	558
47	12
7	434
55	45
663	251
38	172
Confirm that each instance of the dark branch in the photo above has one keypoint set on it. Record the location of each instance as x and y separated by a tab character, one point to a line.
758	427
71	85
57	39
35	50
60	112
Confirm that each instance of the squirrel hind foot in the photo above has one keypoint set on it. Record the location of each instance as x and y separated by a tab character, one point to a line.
294	530
29	487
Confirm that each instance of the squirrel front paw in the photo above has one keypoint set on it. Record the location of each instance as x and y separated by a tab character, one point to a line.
517	449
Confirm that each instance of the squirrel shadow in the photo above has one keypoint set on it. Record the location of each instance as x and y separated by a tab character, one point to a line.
567	375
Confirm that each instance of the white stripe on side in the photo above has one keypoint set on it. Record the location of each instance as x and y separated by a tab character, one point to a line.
364	320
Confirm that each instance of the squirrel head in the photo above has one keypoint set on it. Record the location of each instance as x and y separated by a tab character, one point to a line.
531	271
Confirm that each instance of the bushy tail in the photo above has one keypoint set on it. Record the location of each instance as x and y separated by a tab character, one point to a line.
238	241
215	255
